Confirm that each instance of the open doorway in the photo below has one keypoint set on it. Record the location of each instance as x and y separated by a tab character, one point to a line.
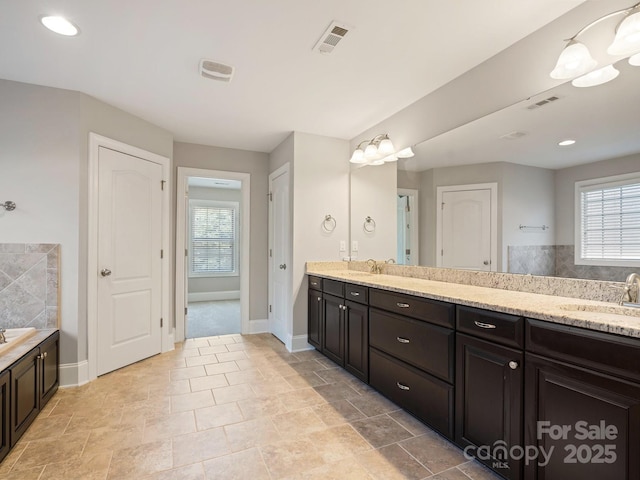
408	238
212	275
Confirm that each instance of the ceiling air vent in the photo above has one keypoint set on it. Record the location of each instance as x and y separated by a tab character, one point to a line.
331	37
216	71
513	135
542	103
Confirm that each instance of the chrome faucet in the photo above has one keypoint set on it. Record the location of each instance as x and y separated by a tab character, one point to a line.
2	338
373	266
631	289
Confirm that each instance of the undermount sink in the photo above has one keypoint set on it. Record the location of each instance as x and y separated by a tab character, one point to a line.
610	309
15	336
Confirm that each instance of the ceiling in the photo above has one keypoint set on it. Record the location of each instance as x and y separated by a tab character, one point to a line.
142	56
604	121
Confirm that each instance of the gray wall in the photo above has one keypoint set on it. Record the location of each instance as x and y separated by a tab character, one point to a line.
244	161
44	169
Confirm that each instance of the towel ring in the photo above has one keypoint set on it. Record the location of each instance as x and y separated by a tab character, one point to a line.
329	224
369	225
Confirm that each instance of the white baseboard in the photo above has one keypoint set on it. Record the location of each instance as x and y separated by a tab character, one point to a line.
258	326
214	296
74	374
299	343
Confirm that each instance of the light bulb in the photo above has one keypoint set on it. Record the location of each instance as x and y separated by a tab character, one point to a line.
405	153
386	147
358	156
59	25
635	60
371	151
627	39
574	60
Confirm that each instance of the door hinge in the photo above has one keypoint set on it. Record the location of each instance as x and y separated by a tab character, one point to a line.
442	252
270	196
162	182
270	252
269	308
161	322
185	310
161	253
442	206
186	252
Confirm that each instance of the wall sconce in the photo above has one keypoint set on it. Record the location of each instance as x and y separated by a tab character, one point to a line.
378	150
576	60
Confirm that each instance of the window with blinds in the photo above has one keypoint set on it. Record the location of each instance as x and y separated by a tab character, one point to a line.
609	221
213	230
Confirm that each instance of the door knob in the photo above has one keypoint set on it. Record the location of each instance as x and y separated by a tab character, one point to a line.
283	266
513	365
105	272
486	262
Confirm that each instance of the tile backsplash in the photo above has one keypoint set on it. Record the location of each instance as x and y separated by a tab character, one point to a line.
29	285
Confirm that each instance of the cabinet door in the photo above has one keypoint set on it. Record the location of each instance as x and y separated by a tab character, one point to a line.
489	400
356	328
333	331
25	394
5	422
564	402
49	373
314	318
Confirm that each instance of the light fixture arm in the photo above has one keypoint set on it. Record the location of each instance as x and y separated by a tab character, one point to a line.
605	17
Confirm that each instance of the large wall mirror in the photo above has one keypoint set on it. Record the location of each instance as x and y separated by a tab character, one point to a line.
505	178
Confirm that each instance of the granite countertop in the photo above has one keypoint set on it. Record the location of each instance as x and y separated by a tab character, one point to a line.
14	354
594	315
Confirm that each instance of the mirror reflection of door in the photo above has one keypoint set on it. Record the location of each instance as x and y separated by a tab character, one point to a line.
408	240
466	228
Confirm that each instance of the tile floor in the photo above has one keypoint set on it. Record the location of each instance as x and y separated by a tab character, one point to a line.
231	407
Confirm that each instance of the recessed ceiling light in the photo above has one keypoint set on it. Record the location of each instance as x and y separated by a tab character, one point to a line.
59	25
566	143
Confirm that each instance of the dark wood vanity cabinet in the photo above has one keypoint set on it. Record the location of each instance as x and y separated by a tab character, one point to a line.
34	380
489	386
583	401
333	329
412	355
356	331
5	419
315	318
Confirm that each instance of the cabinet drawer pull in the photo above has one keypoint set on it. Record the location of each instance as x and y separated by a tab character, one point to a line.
355	294
402	387
513	365
319	299
402	305
484	325
314	284
402	340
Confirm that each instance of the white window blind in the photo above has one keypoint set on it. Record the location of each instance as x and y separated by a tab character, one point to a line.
610	221
214	238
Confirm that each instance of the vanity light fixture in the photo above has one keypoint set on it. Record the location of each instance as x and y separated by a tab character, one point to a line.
567	142
635	60
59	25
576	61
376	150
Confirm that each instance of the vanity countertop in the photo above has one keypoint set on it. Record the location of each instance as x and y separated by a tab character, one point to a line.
14	354
595	315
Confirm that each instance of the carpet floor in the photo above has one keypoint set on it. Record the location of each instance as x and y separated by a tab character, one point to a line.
206	319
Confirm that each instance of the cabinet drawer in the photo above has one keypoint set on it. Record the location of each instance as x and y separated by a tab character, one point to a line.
440	313
429	399
315	282
604	352
497	327
421	344
356	293
334	287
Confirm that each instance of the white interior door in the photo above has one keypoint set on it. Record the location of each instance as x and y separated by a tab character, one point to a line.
279	264
466	229
129	260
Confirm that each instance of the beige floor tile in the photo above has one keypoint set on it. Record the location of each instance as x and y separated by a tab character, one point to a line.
136	462
195	343
301	398
336	391
199	446
307	366
195	471
115	436
47	427
297	423
252	433
451	474
177	387
221	340
188	372
373	404
140	411
380	431
290	458
223	367
27	474
229	356
261	407
337	443
304	380
271	386
218	416
335	375
9	461
38	453
208	382
168	426
212	350
87	467
202	360
342	470
411	423
338	412
232	394
191	401
392	463
476	471
434	452
309	355
246	465
244	376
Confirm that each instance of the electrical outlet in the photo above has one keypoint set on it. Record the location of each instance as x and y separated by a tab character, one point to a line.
354	246
343	246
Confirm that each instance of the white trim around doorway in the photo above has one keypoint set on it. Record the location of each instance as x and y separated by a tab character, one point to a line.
181	244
